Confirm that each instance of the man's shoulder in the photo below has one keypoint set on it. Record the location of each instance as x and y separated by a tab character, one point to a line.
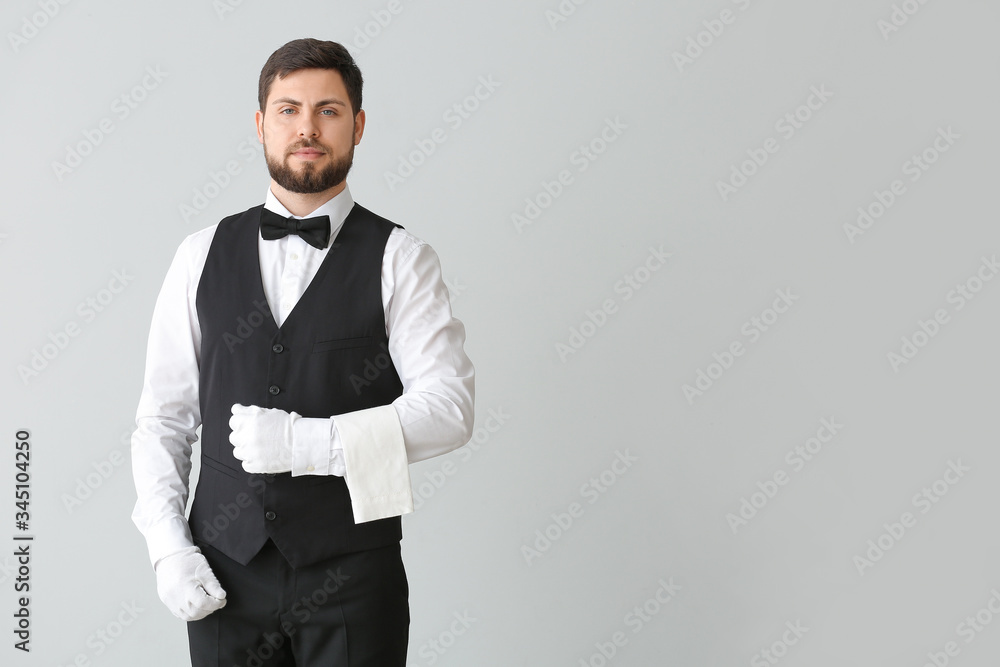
403	242
197	244
400	242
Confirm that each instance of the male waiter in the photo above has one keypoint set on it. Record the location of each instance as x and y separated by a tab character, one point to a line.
313	341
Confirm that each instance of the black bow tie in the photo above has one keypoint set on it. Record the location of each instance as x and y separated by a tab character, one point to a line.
314	231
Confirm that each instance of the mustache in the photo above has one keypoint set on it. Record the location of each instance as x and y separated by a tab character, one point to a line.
307	144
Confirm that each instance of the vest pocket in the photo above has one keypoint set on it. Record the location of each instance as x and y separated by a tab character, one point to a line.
219	466
341	343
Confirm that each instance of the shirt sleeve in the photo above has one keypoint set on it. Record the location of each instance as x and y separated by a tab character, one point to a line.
435	413
168	415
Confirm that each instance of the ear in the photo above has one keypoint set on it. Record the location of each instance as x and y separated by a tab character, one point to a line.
359	126
259	120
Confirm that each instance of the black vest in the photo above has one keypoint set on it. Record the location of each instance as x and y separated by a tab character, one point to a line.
330	356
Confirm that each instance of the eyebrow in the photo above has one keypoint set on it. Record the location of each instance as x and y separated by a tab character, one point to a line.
321	103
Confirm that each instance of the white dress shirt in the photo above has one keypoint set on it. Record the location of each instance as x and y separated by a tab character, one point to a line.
433	416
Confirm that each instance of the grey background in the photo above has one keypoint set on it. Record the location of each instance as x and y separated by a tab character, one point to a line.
519	292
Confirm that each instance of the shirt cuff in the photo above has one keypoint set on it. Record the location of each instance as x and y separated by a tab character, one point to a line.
311	452
168	537
378	473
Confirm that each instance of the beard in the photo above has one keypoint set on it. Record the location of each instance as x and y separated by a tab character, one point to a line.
310	179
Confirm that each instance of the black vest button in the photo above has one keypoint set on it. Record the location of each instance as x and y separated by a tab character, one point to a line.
279	348
273	389
269	516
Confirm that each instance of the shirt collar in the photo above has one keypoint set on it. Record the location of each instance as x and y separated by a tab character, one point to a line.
337	208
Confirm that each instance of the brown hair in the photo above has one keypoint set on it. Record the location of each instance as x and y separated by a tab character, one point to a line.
307	53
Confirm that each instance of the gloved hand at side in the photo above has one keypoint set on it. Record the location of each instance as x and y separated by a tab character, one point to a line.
187	586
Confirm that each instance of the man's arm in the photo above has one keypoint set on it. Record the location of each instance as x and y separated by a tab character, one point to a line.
427	346
166	421
433	416
168	414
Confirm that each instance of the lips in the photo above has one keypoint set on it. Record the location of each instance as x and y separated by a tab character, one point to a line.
308	152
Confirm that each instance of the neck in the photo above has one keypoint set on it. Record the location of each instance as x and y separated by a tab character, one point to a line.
301	204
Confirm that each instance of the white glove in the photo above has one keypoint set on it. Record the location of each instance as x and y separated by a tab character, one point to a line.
262	438
265	439
187	586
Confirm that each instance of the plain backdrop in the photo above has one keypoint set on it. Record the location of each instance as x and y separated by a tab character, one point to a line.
727	274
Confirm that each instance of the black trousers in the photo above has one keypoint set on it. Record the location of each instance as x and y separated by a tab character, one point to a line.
350	610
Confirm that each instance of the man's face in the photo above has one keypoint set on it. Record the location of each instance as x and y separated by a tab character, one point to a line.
308	130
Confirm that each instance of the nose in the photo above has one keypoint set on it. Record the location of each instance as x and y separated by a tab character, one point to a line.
308	127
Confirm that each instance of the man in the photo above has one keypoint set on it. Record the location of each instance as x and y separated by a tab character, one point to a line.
314	344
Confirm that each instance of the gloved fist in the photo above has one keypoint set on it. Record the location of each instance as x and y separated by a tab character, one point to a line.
262	438
187	586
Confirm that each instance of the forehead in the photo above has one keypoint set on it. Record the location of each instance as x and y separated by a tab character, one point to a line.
307	84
